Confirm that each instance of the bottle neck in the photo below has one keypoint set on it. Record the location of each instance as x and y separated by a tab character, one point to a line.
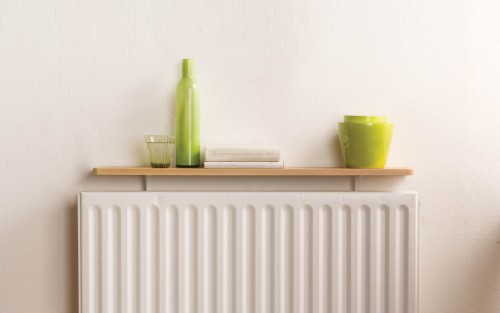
188	68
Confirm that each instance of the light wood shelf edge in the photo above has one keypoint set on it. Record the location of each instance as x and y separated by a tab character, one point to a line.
297	171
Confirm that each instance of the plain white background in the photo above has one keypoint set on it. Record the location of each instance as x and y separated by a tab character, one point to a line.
81	82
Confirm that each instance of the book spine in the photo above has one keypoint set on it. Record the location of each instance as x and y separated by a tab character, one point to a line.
243	154
278	164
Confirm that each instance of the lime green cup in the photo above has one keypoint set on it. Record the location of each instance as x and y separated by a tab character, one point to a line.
365	141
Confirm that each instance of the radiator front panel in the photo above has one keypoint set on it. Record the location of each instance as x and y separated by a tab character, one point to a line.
227	252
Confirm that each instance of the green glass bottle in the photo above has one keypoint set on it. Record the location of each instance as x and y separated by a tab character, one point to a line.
187	118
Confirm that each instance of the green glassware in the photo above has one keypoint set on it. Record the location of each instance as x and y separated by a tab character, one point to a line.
187	118
160	148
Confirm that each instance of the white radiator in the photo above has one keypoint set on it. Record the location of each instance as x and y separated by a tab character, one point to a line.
248	252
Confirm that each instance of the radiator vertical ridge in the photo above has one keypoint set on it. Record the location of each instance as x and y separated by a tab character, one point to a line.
403	257
267	291
354	245
285	257
325	244
93	261
122	234
412	259
105	259
228	260
360	254
112	259
365	260
394	239
305	259
188	260
209	298
149	259
248	260
345	255
386	263
133	259
315	271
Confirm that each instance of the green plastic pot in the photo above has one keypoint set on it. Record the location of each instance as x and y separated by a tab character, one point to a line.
365	145
365	119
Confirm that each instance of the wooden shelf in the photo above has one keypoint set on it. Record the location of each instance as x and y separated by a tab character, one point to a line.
298	171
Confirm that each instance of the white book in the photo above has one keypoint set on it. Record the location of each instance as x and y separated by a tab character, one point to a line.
242	153
278	164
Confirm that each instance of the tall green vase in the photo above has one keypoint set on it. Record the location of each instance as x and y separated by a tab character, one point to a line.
187	118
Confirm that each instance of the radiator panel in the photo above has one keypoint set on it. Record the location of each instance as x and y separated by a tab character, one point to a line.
226	252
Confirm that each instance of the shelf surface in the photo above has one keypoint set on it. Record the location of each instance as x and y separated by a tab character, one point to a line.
295	171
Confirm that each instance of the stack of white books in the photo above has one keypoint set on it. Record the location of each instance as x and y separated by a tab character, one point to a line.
242	157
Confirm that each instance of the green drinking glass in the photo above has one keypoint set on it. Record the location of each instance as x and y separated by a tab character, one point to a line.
160	149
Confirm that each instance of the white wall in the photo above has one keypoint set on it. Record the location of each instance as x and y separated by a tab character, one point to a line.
82	81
